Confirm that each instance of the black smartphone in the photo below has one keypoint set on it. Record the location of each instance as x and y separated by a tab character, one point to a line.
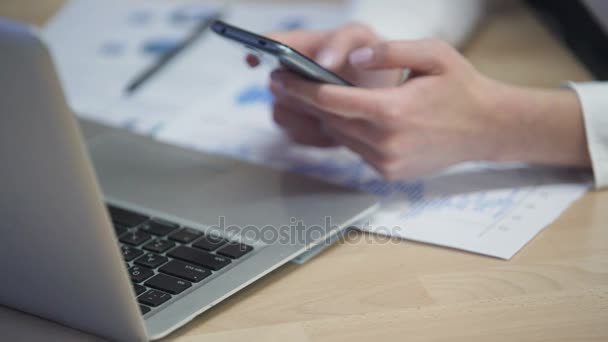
286	56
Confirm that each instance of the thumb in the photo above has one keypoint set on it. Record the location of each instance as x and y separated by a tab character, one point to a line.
427	56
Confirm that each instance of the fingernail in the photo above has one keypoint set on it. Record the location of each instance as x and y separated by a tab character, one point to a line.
326	58
361	56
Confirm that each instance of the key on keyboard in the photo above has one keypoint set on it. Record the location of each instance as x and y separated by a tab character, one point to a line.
154	298
158	228
144	309
159	246
151	260
235	250
119	229
200	258
129	253
209	242
126	218
135	238
139	289
185	271
168	284
185	235
139	274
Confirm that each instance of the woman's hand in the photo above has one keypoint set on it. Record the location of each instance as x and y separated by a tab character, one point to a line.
445	114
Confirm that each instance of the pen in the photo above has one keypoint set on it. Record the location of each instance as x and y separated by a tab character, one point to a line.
166	57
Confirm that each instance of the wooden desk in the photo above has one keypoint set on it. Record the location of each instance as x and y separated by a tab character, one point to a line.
555	289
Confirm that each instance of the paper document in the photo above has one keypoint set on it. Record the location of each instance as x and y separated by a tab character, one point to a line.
99	47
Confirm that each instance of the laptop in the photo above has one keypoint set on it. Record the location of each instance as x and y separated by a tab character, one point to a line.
127	238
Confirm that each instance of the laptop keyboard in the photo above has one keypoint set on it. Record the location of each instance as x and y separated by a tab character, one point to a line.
164	259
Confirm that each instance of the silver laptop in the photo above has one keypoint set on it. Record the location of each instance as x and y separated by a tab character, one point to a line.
127	238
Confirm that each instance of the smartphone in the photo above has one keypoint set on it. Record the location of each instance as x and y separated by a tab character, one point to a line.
289	58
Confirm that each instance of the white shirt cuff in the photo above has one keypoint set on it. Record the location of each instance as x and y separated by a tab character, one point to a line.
594	102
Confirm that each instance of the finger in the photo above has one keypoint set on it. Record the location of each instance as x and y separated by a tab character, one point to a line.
338	45
428	56
389	168
348	102
301	128
311	139
290	119
294	104
365	151
355	129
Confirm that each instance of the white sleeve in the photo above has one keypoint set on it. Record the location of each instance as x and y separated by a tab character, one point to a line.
593	97
450	20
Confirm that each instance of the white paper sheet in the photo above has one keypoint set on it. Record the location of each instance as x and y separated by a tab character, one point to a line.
100	46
